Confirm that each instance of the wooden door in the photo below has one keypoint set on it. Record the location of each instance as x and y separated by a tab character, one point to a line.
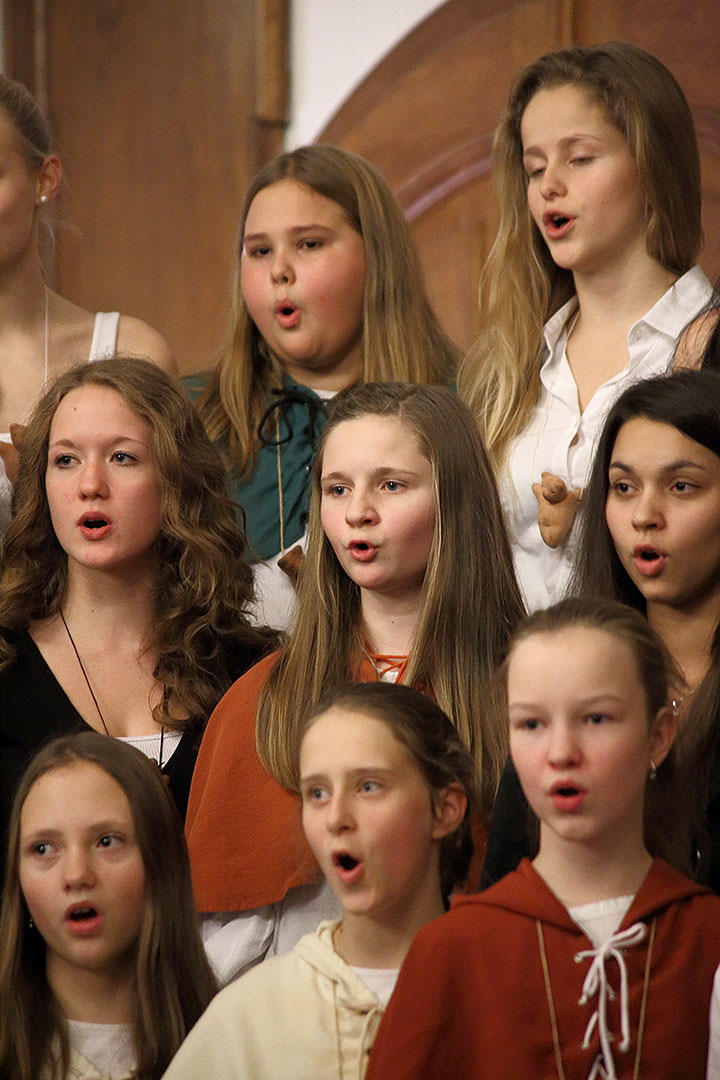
162	113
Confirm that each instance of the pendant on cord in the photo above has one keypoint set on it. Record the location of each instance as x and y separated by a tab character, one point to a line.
556	508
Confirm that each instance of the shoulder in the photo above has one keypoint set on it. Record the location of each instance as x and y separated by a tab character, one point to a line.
136	338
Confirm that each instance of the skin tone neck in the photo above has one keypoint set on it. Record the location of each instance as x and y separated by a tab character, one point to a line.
597	346
389	621
573	870
688	636
96	997
113	600
382	942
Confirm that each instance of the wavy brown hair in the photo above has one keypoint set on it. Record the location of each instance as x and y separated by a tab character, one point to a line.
471	600
401	339
522	286
174	983
204	582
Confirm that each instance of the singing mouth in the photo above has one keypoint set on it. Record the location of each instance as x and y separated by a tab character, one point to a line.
345	861
81	912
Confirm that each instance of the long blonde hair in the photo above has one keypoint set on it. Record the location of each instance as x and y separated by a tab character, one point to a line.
471	601
401	340
522	287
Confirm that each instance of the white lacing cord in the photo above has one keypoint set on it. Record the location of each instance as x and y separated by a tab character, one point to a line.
603	1067
596	982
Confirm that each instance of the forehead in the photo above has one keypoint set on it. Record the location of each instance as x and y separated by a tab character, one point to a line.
71	795
100	407
577	660
290	202
373	440
564	111
642	442
346	738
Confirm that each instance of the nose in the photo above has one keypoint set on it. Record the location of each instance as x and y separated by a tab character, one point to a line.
360	508
647	510
563	750
93	480
339	815
282	270
78	872
552	183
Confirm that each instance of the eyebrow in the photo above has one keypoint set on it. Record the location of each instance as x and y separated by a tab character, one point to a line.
384	470
112	441
564	143
672	466
102	826
353	774
601	698
296	229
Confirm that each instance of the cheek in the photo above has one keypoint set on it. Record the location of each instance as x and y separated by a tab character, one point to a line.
250	286
131	891
330	517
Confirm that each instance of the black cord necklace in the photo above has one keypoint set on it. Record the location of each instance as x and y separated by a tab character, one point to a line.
92	692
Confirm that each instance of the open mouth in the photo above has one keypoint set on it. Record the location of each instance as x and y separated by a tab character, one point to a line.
82	914
649	561
343	860
95	523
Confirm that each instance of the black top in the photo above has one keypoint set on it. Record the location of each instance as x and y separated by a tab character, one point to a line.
34	708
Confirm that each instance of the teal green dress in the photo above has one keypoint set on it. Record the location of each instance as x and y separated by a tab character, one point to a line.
282	469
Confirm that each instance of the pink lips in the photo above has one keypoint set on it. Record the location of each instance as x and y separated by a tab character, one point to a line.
648	560
95	525
287	314
362	551
83	919
567	796
347	867
557	225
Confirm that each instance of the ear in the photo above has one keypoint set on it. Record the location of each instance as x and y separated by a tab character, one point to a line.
450	806
48	179
663	734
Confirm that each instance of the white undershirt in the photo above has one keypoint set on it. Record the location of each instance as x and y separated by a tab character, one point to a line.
150	745
380	980
109	1047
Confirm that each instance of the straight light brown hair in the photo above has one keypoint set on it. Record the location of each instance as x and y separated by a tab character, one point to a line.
471	600
522	286
401	338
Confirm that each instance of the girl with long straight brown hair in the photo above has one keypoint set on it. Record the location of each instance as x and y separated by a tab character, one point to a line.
408	578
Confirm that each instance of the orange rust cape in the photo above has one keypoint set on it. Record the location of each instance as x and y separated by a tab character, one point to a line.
244	832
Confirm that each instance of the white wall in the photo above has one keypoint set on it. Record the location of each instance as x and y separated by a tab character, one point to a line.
333	46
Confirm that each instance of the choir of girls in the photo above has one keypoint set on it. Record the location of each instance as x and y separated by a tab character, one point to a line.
342	775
